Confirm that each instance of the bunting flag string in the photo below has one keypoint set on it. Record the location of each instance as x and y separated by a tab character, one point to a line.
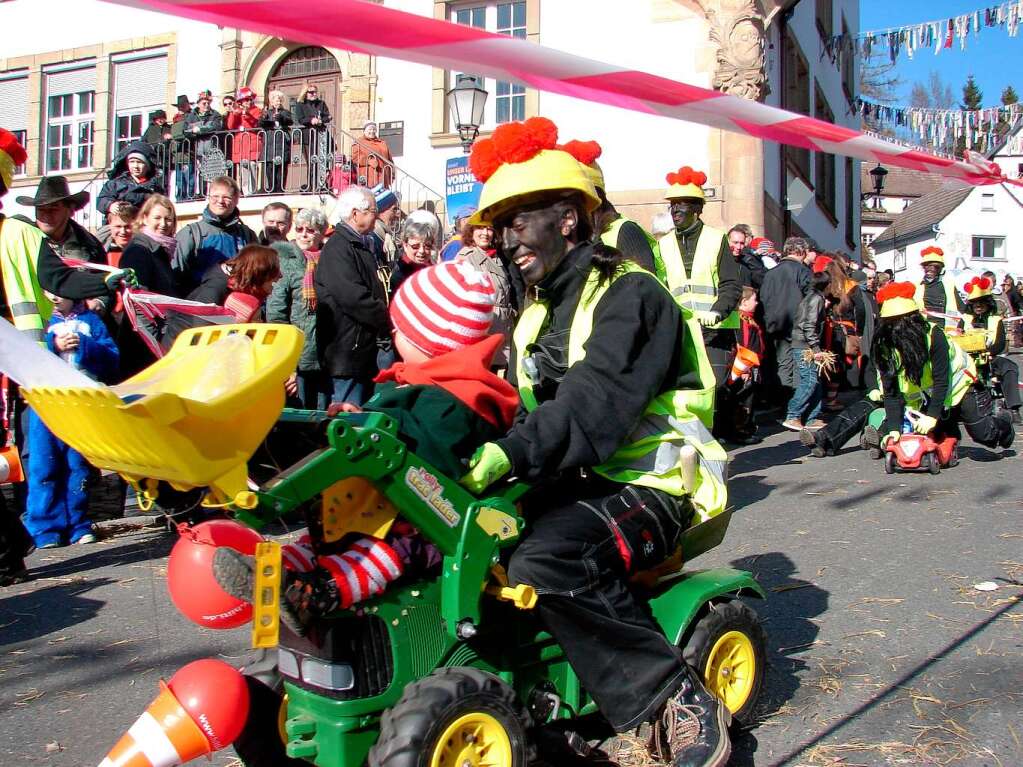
377	30
945	127
937	35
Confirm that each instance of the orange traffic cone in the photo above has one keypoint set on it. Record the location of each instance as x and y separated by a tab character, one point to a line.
163	736
10	465
745	360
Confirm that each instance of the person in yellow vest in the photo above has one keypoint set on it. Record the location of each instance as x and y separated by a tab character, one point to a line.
983	316
612	388
936	294
609	226
922	369
701	272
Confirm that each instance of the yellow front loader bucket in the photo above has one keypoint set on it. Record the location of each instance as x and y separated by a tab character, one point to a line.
192	419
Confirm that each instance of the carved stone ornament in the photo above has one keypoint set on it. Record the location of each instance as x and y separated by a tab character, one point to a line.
738	30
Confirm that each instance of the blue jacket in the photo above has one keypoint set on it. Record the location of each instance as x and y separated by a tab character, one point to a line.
97	354
205	243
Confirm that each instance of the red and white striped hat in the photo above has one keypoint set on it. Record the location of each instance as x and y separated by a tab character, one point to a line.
444	307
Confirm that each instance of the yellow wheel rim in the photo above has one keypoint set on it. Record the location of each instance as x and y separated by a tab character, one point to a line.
732	669
473	740
282	719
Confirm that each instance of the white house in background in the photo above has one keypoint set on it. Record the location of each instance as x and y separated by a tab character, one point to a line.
81	84
979	228
902	188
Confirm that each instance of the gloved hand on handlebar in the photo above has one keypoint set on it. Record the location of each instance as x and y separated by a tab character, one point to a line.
892	436
487	465
924	424
709	319
114	279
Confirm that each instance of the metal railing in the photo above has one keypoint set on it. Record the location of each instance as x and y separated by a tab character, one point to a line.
275	163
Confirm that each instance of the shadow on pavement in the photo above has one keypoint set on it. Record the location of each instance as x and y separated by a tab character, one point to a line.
152	546
31	614
767	457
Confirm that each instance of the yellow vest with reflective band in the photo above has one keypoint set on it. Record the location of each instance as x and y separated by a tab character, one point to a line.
19	253
610	237
651	455
991	331
951	305
699	290
962	374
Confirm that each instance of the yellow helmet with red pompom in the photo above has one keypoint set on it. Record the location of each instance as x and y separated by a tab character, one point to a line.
587	152
978	287
12	154
685	182
521	161
932	255
897	299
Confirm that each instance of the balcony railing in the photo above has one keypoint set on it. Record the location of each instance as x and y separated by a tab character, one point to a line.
276	163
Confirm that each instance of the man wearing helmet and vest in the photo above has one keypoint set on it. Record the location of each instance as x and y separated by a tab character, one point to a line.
936	294
984	317
700	269
613	388
610	226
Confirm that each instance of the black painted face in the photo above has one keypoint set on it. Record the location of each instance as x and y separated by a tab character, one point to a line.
931	271
685	212
537	240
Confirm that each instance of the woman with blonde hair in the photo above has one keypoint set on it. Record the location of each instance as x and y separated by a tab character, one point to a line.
276	119
479	248
312	114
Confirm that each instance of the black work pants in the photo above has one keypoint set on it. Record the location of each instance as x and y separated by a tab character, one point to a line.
976	413
720	345
1008	373
584	543
846	425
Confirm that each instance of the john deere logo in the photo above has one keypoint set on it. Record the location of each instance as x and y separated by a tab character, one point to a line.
426	486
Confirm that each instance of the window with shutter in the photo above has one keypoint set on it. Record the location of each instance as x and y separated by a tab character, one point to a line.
70	112
139	87
14	110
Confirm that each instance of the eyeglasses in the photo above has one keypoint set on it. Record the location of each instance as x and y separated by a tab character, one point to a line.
417	246
306	230
311	93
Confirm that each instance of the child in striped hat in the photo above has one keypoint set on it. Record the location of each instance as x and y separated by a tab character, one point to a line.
446	403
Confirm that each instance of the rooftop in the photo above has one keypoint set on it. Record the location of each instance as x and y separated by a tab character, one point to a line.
924	213
901	182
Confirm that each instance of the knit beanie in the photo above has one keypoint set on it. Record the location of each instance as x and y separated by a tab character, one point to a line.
444	307
137	156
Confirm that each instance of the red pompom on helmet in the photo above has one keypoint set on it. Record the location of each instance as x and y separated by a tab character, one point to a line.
896	290
515	142
190	580
484	159
544	132
686	175
512	142
585	152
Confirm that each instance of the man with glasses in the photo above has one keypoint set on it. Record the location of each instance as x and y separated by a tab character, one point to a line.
276	223
216	237
351	305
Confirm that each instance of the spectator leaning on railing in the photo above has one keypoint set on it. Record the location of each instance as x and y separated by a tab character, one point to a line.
247	146
276	119
182	152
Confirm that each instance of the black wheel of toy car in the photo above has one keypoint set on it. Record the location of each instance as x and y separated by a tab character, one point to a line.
728	648
261	743
953	459
932	463
889	463
453	717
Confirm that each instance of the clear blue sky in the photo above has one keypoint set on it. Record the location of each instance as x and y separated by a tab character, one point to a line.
994	59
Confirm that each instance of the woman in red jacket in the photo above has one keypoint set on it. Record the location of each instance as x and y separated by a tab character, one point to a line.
247	147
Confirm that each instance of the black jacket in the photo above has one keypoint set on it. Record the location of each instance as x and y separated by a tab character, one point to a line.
894	402
751	269
351	306
305	111
122	186
587	412
65	281
277	142
152	265
782	290
808	328
402	271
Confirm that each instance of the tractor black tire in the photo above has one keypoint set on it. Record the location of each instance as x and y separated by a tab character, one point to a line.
720	619
411	730
260	743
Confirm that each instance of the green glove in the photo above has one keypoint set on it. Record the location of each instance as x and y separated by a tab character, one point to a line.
487	465
113	280
874	395
925	424
710	318
892	436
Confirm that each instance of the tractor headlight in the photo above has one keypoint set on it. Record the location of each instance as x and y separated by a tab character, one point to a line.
287	663
316	672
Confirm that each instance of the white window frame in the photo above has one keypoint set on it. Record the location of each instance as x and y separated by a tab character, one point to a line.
118	143
142	111
78	120
514	99
997	248
987	202
22	136
899	262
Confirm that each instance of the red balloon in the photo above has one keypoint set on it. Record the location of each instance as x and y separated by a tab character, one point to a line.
193	588
216	698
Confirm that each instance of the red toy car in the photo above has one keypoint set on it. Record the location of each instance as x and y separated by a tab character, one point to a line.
914	452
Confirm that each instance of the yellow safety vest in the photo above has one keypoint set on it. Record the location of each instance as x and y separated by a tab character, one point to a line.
19	254
698	291
962	372
651	456
951	305
610	237
991	331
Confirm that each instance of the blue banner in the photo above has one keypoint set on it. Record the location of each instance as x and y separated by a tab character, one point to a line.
461	188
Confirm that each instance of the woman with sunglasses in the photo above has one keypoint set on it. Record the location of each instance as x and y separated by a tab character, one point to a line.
416	252
313	115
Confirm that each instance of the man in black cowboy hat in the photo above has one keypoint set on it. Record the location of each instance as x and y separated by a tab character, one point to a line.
67	239
157	132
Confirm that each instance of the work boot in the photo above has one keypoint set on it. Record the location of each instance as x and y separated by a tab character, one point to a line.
692	730
235	573
871	438
1008	435
813	439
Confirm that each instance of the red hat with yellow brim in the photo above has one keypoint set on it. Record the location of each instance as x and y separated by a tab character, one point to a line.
897	299
932	255
978	287
685	183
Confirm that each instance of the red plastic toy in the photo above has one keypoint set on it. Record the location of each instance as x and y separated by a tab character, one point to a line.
917	452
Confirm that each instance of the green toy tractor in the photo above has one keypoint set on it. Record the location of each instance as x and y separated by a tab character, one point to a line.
454	670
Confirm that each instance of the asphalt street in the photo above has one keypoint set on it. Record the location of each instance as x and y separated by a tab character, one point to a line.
882	651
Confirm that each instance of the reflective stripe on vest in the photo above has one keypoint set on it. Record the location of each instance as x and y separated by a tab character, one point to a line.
962	372
610	237
19	252
652	455
697	292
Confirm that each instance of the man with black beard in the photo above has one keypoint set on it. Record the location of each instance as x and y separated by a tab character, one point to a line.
600	356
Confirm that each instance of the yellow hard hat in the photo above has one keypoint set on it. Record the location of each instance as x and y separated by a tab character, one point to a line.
685	182
587	152
978	287
897	299
521	161
932	255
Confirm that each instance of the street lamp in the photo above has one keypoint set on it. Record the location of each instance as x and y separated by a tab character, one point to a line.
878	175
466	101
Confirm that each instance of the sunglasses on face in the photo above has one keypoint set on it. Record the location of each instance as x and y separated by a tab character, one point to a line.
417	246
305	230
